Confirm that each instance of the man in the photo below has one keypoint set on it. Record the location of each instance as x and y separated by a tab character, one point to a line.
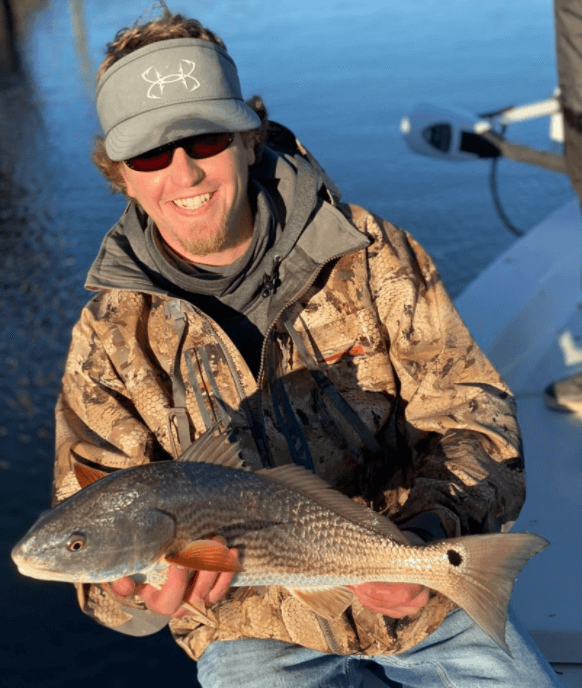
237	289
566	394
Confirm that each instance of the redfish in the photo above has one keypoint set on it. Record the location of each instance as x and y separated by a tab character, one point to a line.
289	527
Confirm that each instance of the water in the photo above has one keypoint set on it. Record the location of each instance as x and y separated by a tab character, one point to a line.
340	74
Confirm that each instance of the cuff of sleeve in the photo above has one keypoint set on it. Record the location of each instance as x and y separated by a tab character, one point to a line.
102	606
143	622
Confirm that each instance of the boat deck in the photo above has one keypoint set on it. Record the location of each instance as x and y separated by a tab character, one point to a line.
525	311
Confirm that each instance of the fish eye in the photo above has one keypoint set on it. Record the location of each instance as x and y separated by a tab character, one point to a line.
76	542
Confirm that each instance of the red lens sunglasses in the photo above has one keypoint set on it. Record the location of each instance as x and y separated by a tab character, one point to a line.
196	147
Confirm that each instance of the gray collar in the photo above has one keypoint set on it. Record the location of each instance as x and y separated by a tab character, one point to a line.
314	232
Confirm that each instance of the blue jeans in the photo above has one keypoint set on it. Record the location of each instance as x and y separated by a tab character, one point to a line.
457	655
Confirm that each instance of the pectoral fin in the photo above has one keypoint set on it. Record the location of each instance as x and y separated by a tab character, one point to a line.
205	555
329	603
86	475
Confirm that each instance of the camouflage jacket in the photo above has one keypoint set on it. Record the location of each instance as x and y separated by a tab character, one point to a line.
368	377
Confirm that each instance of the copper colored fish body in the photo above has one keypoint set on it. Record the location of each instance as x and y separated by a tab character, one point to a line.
289	528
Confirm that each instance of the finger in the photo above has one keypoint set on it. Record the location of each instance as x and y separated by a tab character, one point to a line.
201	591
394	602
413	607
394	611
210	586
422	598
390	594
401	593
203	584
167	600
396	606
399	613
222	584
122	587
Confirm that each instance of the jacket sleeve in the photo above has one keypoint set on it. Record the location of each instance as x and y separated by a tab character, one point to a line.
97	422
462	467
568	22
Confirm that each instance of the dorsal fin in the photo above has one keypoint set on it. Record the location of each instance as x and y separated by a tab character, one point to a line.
86	475
214	447
310	485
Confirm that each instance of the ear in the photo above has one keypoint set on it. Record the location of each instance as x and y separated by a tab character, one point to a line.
126	174
251	157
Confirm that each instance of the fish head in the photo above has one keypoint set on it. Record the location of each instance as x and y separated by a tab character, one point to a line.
98	535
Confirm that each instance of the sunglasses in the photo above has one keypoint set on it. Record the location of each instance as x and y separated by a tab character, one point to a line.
196	147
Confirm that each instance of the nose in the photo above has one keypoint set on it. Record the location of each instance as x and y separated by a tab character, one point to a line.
184	170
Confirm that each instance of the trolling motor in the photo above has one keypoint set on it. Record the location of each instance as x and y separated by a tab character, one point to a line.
446	134
458	135
455	134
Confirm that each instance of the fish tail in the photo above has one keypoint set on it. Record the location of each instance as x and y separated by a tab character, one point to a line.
483	569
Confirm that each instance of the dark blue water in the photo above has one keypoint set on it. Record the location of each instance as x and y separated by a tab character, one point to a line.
340	74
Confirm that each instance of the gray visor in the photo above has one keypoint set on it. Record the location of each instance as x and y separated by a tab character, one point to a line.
167	91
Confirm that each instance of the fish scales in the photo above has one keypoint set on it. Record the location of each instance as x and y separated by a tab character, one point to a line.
257	516
289	528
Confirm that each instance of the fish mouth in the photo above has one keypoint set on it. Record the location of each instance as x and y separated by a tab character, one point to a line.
41	573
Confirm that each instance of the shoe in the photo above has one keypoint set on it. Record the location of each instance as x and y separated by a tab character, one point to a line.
565	394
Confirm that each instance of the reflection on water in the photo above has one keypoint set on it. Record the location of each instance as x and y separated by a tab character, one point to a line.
339	74
43	255
9	58
76	8
45	641
38	299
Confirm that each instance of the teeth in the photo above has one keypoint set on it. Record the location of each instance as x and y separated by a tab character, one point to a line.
193	203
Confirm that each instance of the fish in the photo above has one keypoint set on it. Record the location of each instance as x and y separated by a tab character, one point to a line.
290	528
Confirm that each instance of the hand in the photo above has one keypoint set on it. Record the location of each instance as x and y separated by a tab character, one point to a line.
393	599
204	587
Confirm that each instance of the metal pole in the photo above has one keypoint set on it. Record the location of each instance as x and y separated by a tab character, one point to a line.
531	156
78	18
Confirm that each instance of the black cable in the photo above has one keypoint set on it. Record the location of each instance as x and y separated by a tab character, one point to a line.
495	195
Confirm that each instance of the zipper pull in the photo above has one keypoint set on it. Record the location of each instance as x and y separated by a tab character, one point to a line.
271	282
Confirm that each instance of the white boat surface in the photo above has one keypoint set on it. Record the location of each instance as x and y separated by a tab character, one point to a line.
525	311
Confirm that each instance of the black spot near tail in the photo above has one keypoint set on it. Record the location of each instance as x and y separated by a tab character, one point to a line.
454	557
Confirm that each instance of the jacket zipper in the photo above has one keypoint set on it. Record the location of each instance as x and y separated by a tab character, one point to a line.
294	300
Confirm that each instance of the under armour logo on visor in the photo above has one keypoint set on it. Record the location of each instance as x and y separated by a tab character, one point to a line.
156	90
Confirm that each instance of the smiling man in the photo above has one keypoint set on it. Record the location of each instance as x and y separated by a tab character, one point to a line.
199	202
238	289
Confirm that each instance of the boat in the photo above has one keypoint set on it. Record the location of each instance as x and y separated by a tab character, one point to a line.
525	312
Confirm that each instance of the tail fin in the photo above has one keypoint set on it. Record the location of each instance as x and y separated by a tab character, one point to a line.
484	569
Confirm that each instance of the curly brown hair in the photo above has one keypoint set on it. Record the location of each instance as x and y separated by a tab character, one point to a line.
167	26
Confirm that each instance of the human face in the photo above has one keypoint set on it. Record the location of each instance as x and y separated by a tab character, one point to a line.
200	207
